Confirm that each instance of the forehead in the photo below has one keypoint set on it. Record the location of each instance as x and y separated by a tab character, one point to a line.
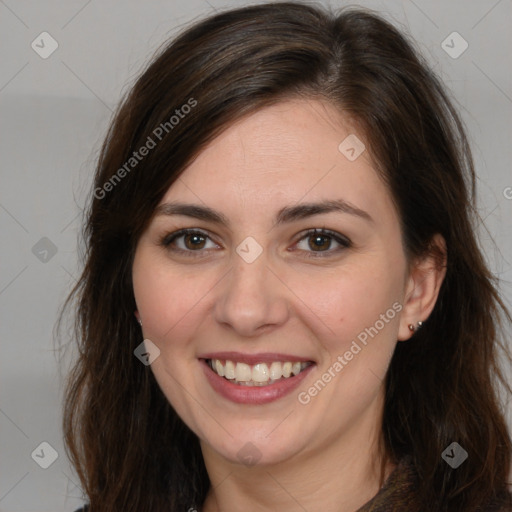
284	153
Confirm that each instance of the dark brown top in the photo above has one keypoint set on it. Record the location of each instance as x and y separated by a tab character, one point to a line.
398	493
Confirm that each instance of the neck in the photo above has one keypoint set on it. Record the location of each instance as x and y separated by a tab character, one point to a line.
341	475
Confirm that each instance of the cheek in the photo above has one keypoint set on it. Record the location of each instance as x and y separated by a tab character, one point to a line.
166	299
361	307
352	300
168	303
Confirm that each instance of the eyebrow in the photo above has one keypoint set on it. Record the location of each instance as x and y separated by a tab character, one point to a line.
285	215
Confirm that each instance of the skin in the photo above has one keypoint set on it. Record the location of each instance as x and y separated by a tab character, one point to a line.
323	455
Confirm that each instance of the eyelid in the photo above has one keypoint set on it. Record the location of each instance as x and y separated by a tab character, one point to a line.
170	237
342	240
167	239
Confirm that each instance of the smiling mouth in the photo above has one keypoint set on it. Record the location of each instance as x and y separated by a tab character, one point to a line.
260	374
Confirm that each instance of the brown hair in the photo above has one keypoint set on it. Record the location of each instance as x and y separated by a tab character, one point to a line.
130	449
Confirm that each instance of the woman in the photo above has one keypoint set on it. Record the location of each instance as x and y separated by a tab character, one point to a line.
283	212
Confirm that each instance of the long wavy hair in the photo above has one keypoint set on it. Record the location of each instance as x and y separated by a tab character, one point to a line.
130	449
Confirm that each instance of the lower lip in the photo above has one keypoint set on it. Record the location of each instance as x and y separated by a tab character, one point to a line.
253	394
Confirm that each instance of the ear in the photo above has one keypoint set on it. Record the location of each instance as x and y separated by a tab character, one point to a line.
422	287
137	316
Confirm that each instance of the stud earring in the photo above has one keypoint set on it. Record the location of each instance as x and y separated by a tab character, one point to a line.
418	326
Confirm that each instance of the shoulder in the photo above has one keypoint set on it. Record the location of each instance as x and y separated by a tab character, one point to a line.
85	508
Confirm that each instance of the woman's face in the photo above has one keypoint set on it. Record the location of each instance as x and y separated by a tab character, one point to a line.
253	289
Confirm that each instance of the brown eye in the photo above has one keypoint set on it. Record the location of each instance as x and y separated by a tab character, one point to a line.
188	241
194	241
319	242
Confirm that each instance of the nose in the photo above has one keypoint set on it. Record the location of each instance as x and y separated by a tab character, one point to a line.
251	298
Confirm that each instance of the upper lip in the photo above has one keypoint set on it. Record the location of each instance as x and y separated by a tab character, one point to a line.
252	359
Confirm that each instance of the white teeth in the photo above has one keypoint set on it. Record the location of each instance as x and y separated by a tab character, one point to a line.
276	371
229	371
296	368
243	372
219	368
258	375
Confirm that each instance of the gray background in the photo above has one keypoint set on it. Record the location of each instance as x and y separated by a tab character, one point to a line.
54	113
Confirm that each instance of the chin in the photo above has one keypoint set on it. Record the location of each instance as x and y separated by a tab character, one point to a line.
257	449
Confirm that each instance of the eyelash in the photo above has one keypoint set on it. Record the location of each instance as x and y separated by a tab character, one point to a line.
344	242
